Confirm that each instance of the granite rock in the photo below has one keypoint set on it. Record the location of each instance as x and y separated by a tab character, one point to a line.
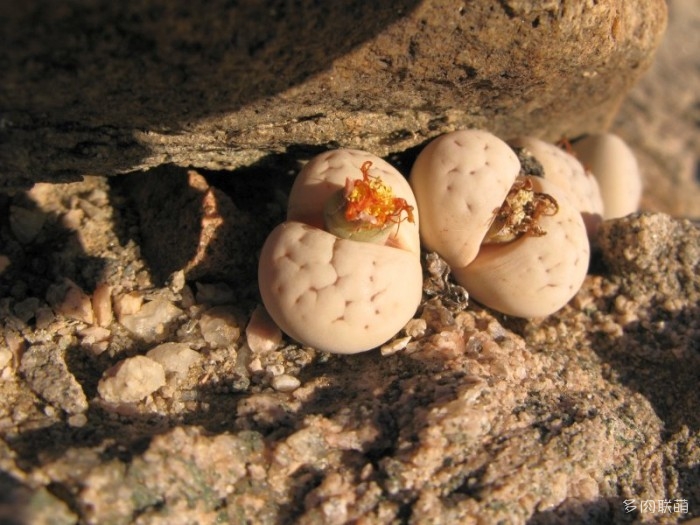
475	418
102	87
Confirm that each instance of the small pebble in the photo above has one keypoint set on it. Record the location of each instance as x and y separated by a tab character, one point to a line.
262	334
46	372
187	295
102	304
77	420
27	308
176	281
69	300
15	344
151	321
5	357
26	224
255	365
93	334
416	327
131	380
175	358
275	370
285	383
394	346
72	219
44	316
219	327
127	304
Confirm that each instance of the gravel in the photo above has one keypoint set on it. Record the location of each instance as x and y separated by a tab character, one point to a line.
127	399
170	411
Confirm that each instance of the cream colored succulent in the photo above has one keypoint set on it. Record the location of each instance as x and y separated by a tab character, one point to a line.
459	179
352	288
533	275
564	169
327	174
616	169
517	244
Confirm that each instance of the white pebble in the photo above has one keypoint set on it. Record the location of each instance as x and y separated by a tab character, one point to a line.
77	420
394	346
275	370
219	327
151	320
285	383
175	358
131	380
176	281
262	334
93	334
416	327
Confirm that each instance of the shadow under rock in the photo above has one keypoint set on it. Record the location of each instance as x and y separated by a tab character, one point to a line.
660	359
96	70
122	437
168	208
173	219
41	251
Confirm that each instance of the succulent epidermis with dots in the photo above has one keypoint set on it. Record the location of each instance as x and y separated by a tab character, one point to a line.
365	208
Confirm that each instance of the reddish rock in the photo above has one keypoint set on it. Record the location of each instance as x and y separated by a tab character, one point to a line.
110	87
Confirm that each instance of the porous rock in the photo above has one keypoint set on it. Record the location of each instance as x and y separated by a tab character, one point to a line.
557	420
653	255
48	375
134	85
131	380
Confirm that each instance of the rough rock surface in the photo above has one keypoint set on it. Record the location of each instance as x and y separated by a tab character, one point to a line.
105	87
474	418
466	417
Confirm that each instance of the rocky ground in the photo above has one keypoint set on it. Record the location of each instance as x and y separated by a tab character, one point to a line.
131	394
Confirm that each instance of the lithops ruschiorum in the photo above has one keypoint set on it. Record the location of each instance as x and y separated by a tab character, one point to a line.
516	243
343	273
533	275
459	179
564	169
615	167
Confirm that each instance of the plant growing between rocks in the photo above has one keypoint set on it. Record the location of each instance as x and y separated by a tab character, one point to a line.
517	242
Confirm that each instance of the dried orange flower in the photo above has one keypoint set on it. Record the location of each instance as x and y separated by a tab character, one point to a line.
365	208
520	213
371	204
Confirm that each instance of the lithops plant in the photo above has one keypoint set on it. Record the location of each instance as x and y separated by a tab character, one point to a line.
538	272
564	169
516	243
616	169
343	273
459	179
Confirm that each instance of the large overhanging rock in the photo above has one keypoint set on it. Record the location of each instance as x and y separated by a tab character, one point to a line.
96	86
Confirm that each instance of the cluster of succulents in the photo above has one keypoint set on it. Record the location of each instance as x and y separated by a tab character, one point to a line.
512	220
